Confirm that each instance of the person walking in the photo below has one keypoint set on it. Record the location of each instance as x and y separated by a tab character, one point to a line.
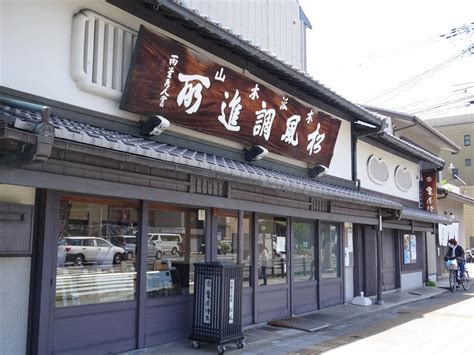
263	259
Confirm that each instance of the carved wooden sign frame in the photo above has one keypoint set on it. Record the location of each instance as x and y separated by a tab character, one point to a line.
191	90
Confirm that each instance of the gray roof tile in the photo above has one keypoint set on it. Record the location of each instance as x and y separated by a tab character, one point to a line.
424	216
96	136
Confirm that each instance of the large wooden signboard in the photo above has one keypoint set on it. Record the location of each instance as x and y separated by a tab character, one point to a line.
429	192
191	90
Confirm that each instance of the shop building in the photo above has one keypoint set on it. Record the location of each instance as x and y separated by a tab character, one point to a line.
458	170
452	202
102	219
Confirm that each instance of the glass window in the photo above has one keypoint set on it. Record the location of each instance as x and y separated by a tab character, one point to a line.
92	265
330	250
303	266
227	233
467	162
467	140
176	241
271	241
227	240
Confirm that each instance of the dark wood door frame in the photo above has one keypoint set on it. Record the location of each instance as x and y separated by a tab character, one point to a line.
43	270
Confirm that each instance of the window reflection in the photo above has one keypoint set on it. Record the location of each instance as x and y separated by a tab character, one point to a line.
92	264
247	249
227	240
271	251
304	234
177	240
227	234
330	253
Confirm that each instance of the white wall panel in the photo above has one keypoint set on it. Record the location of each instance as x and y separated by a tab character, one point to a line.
365	150
409	281
340	163
38	60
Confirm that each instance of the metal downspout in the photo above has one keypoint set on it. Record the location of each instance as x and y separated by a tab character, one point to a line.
355	137
379	300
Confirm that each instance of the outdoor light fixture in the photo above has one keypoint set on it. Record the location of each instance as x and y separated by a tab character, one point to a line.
257	152
451	215
154	126
318	171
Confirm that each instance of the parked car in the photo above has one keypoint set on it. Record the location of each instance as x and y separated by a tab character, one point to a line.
91	250
130	246
470	255
168	242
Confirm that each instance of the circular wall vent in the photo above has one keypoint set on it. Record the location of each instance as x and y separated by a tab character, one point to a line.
403	178
377	170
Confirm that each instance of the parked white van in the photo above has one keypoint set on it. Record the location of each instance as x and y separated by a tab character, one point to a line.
168	242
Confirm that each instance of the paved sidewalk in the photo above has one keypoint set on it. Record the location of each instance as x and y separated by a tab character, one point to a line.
271	338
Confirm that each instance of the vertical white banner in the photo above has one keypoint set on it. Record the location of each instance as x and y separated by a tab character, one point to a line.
207	301
231	301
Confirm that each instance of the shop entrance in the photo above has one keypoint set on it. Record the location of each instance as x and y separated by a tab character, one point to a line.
331	290
273	291
304	266
389	274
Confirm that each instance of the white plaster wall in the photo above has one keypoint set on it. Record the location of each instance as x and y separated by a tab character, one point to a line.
14	291
365	150
341	161
36	51
411	280
448	205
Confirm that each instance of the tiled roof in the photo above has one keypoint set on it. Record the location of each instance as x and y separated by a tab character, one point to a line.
423	216
464	199
412	118
100	137
412	148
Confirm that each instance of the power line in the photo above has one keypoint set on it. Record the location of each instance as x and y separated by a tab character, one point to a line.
442	104
411	82
432	101
466	29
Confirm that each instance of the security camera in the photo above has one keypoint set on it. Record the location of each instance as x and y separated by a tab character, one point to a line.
318	171
257	152
154	126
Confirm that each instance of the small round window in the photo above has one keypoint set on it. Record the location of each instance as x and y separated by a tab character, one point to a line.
377	170
403	178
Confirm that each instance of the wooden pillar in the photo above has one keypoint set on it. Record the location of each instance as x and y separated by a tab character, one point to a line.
142	248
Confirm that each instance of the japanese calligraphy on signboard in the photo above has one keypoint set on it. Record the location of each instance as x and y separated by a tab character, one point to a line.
191	90
207	301
429	192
